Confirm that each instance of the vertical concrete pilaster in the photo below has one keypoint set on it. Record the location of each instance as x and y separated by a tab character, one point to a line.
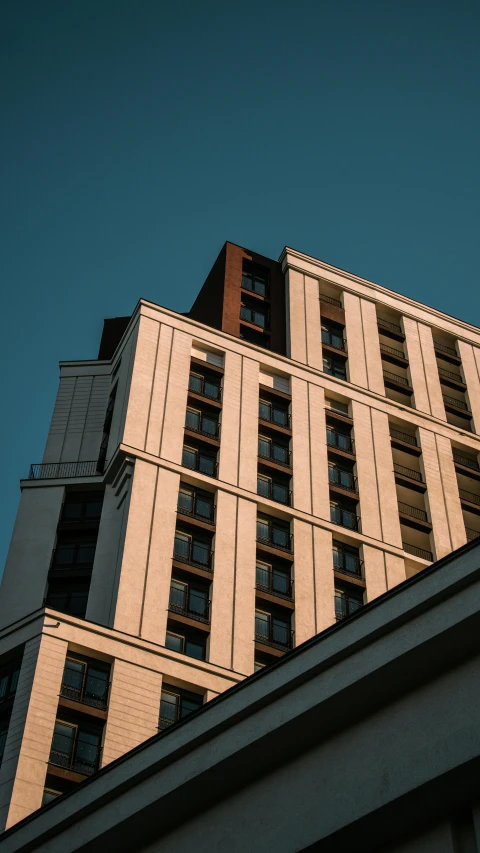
302	495
158	391
471	372
357	366
24	765
395	570
230	432
449	482
244	594
415	363
133	709
366	470
313	324
430	365
136	422
249	425
297	344
176	397
304	581
318	452
375	573
324	579
435	494
387	492
372	346
221	650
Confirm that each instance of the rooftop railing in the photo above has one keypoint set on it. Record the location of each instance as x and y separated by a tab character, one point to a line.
417	552
61	470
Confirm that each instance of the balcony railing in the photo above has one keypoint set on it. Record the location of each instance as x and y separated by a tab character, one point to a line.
204	387
417	552
274	415
276	537
457	404
395	378
395	353
407	472
274	491
448	374
73	556
200	509
392	327
412	511
280	455
275	582
333	340
193	554
471	534
347	563
443	348
61	470
252	315
198	461
330	300
189	604
85	759
403	436
202	426
345	606
86	696
273	635
340	440
343	478
344	517
466	461
469	496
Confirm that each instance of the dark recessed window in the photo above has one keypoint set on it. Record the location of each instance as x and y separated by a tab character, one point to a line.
334	367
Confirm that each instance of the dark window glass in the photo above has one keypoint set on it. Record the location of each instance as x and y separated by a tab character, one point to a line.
334	367
174	642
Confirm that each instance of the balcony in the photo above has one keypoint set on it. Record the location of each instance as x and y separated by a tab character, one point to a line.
397	381
91	694
331	301
346	605
417	552
340	440
274	582
274	536
471	534
347	563
465	461
84	758
201	424
253	315
453	403
448	377
192	553
408	473
404	437
186	602
276	453
344	517
204	387
415	513
469	497
333	340
267	488
274	415
392	330
195	505
63	470
196	460
444	350
393	354
275	636
342	478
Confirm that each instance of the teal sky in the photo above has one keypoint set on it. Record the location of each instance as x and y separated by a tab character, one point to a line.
138	135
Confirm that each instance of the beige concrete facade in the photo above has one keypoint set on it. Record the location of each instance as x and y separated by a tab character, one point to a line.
129	612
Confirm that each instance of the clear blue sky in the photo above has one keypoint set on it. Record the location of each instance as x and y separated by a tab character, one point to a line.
138	135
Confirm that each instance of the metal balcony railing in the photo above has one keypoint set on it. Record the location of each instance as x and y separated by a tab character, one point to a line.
204	387
189	604
457	404
274	415
200	509
403	436
471	534
395	353
466	461
86	696
448	374
469	496
330	300
347	563
333	340
61	470
407	472
276	537
417	552
340	440
85	758
202	425
273	635
443	348
392	327
346	605
413	511
395	378
193	554
198	461
276	453
274	491
344	517
275	582
254	316
343	478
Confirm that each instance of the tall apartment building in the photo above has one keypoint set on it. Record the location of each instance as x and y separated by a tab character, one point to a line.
217	488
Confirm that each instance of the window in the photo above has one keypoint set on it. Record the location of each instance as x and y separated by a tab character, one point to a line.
86	682
332	335
176	704
254	337
274	532
336	406
272	579
198	421
338	438
253	315
194	502
275	491
347	602
194	647
271	629
268	411
191	549
8	683
199	460
190	599
204	385
255	280
344	517
82	507
75	748
74	554
346	558
273	450
341	477
334	367
68	598
3	738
